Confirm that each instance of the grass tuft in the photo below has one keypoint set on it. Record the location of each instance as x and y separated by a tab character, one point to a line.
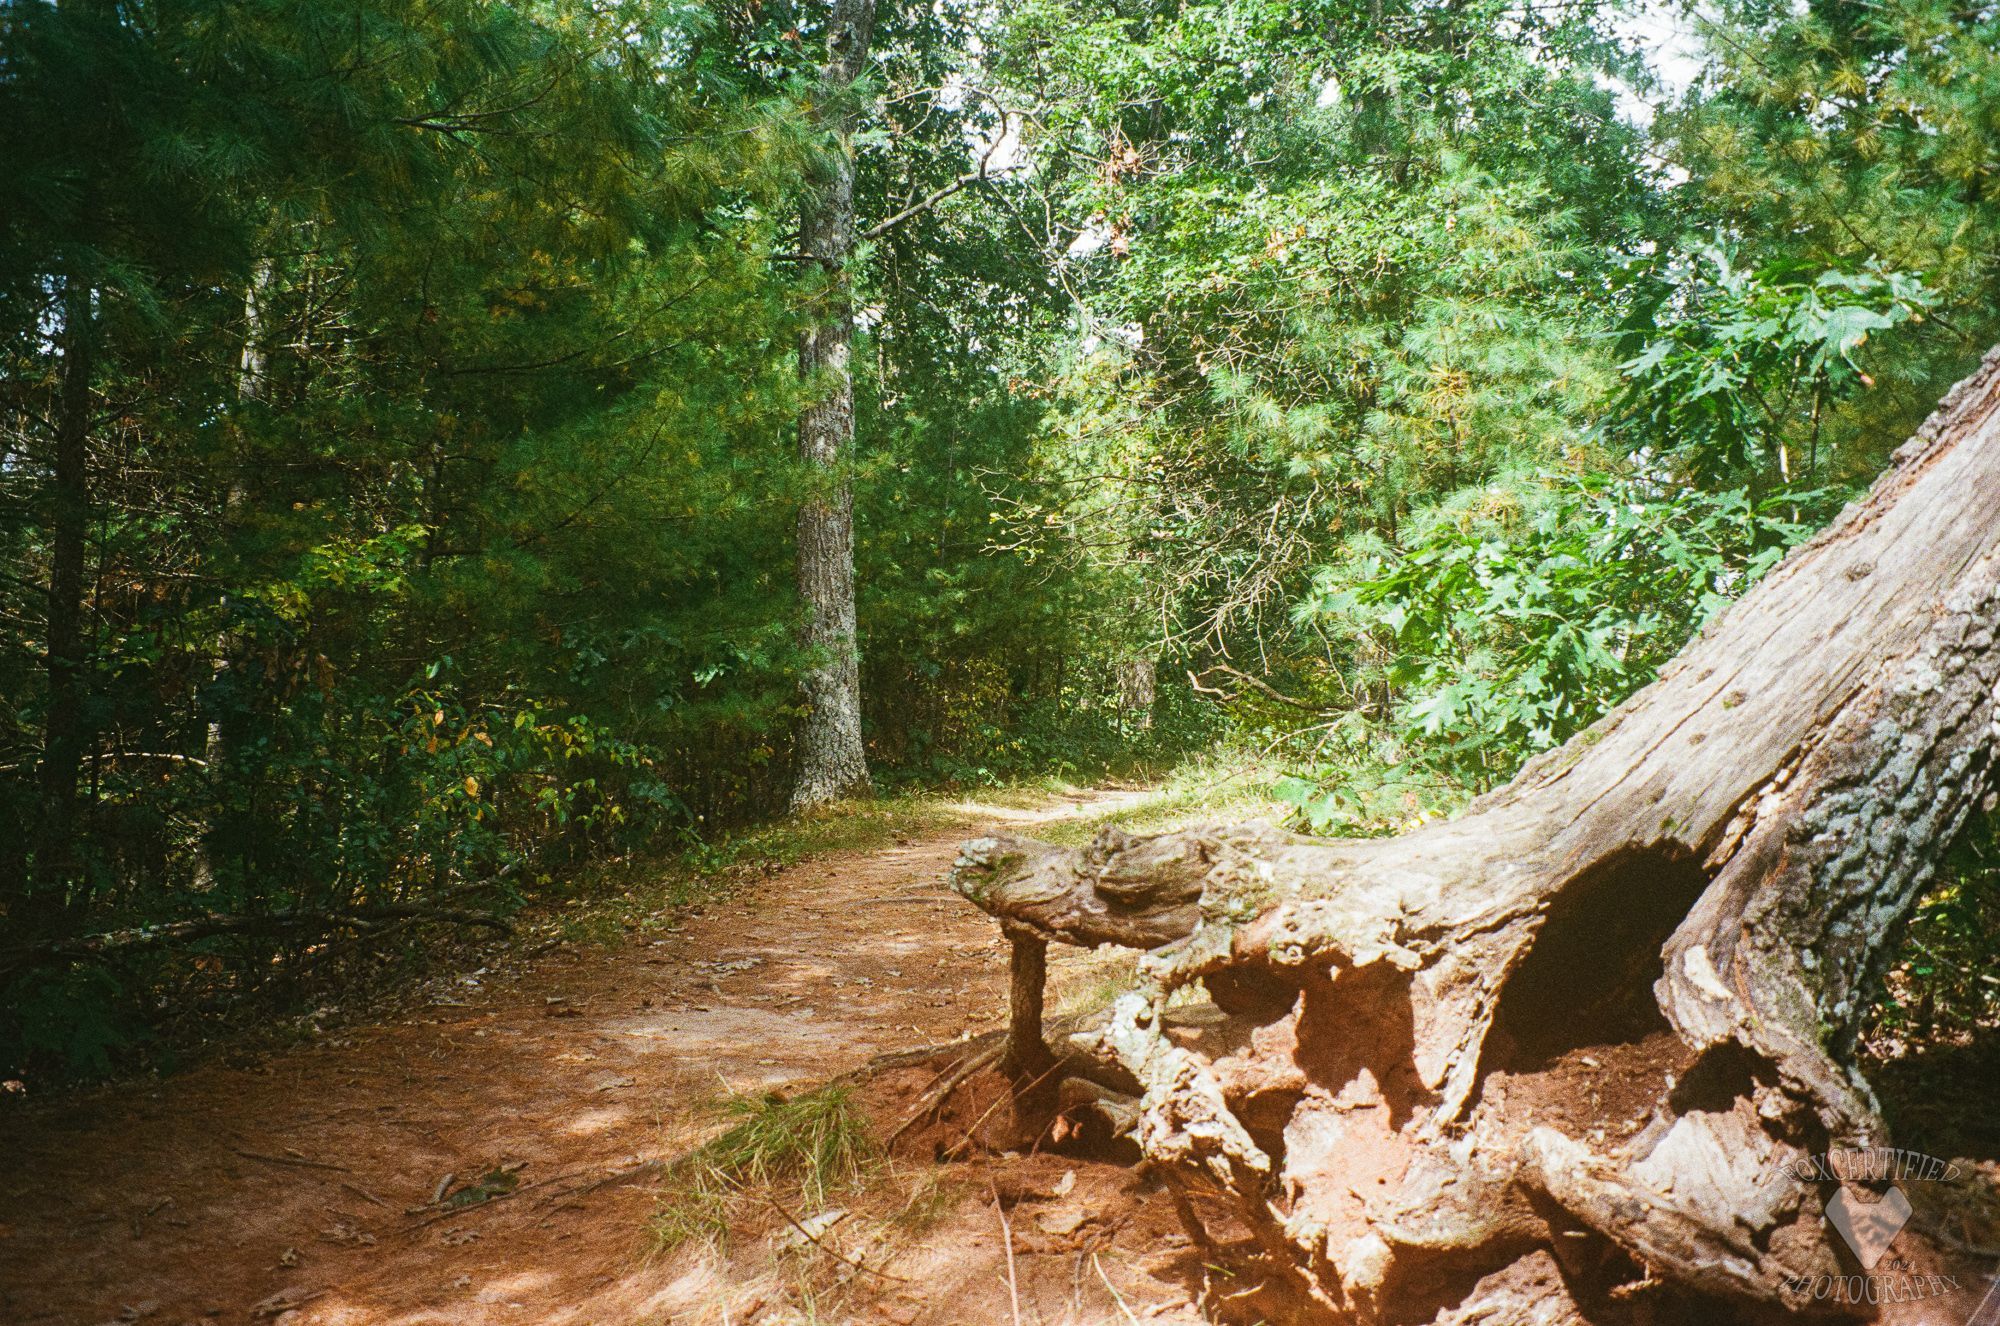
1215	787
807	1147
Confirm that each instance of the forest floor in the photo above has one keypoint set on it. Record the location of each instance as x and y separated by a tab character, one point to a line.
538	1099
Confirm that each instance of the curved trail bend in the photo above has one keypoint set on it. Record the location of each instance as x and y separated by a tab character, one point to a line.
283	1191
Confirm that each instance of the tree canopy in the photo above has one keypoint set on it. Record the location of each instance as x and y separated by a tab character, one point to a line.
399	475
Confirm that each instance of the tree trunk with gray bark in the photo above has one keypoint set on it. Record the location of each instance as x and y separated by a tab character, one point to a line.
1568	1056
831	762
66	736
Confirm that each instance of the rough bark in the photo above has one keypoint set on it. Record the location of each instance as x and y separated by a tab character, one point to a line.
1136	689
1133	892
831	759
1599	1016
1027	1056
64	731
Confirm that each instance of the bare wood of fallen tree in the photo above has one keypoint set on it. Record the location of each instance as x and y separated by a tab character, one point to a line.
1701	890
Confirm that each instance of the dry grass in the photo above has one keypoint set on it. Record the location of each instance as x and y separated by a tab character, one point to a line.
803	1148
1200	791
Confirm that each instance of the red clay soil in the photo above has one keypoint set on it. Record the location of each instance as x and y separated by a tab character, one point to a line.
300	1188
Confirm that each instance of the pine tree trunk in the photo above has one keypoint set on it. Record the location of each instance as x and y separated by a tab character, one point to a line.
1563	1057
831	762
250	384
57	864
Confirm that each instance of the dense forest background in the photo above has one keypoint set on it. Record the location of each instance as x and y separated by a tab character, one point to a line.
399	461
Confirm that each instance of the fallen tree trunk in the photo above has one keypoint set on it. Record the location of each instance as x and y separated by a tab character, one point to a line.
1570	1047
364	921
119	942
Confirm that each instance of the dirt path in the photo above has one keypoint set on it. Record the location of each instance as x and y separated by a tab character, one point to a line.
285	1190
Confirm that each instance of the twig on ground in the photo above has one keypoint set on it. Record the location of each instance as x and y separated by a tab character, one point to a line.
363	1193
282	1302
814	1239
1018	1093
883	1063
459	1212
1116	1297
947	1080
297	1162
648	1167
938	1093
1007	1238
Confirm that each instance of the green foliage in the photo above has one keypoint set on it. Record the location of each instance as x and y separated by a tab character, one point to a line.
1831	134
1518	618
418	340
1944	980
79	1018
440	485
1314	361
1730	374
1331	262
1510	617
